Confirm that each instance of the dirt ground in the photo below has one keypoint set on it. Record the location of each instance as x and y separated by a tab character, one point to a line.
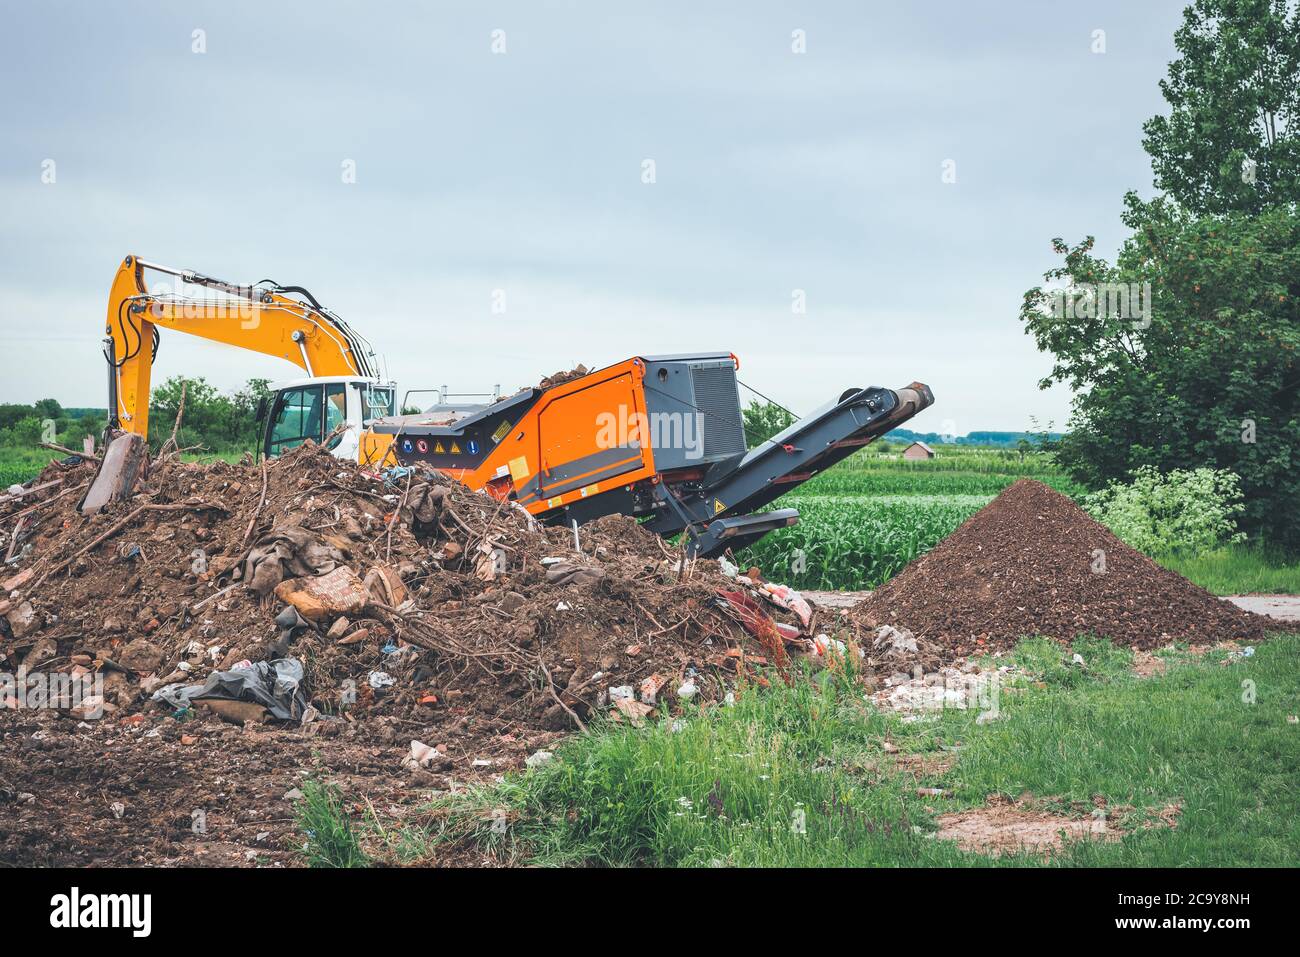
1007	827
202	792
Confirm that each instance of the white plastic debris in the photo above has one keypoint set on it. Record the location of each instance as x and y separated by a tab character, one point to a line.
421	755
822	642
897	640
621	692
381	679
687	690
538	758
786	597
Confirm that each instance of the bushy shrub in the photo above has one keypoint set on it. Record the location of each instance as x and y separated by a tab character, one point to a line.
1169	513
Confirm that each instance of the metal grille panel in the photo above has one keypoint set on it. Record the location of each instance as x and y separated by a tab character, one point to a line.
718	401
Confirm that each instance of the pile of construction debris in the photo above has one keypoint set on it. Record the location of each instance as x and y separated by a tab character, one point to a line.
306	589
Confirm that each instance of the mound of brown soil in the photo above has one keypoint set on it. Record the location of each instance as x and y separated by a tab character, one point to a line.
1032	562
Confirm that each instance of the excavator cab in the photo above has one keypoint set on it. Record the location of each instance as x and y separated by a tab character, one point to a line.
329	410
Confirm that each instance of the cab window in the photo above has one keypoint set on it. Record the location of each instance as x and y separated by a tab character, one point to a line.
378	403
298	417
336	406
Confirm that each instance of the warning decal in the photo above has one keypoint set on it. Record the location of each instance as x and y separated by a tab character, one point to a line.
502	431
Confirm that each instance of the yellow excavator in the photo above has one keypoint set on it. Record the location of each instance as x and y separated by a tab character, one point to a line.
657	437
283	321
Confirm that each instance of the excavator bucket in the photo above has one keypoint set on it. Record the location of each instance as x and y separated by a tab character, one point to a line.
660	438
118	471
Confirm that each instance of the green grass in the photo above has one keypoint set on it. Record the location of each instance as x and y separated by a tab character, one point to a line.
330	838
1051	663
957	458
734	785
1238	570
18	465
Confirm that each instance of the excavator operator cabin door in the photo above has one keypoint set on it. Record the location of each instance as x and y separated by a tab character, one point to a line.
305	412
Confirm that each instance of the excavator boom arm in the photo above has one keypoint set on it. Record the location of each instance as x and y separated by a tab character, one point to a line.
261	318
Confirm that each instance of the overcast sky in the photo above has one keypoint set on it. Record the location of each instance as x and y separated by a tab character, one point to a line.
523	171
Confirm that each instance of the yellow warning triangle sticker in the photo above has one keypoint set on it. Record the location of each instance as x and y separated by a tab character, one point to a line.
455	449
718	506
438	449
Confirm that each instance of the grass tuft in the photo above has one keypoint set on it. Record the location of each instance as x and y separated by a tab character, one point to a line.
322	818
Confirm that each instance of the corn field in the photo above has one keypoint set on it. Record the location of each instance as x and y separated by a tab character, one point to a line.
847	542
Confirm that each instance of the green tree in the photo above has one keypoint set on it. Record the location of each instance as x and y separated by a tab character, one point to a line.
1231	141
48	409
205	420
764	420
90	423
212	420
243	426
1209	378
26	431
1205	375
12	413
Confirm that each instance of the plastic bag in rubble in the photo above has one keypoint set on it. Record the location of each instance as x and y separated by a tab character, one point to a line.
422	505
275	685
393	476
567	573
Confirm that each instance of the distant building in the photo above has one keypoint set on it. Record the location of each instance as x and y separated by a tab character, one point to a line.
918	450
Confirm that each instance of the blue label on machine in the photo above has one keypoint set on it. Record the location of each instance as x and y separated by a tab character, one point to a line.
472	446
406	445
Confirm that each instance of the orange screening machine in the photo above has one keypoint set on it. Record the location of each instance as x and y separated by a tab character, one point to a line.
660	438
